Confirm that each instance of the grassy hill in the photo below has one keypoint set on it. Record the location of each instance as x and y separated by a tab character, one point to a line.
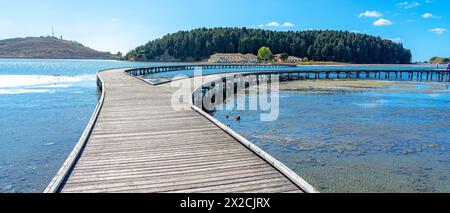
48	48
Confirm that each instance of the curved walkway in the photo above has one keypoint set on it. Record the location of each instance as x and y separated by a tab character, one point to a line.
140	144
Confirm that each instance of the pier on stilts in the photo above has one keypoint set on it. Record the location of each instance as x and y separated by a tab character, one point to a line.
136	142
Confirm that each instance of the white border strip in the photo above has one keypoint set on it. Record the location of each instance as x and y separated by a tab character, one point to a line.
66	168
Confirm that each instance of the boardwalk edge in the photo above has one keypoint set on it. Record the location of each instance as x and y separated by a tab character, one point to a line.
291	175
56	183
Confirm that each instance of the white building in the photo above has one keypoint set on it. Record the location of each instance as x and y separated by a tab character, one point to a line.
290	59
293	59
233	58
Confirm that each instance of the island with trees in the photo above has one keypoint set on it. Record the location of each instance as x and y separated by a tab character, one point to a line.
315	45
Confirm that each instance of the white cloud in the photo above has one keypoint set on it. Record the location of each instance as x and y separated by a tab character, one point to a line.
438	31
371	14
276	24
382	22
114	19
288	24
408	5
429	15
273	24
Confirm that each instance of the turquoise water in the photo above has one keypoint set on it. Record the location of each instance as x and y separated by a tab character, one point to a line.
44	107
46	104
389	139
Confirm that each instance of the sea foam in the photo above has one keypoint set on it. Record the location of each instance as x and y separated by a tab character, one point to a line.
25	84
10	81
22	91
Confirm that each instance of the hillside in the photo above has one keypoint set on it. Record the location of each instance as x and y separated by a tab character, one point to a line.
47	48
337	46
439	60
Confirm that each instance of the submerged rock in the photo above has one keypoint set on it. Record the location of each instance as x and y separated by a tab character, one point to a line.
433	145
273	132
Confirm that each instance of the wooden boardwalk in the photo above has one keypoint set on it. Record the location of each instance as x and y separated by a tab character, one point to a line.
140	144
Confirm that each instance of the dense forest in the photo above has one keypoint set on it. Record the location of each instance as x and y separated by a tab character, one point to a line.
338	46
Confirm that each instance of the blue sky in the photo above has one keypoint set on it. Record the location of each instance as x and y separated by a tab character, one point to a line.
112	25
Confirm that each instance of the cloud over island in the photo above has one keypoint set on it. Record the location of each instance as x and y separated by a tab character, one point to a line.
276	24
382	22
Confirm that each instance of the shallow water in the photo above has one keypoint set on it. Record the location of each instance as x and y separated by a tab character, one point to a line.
46	104
44	107
392	137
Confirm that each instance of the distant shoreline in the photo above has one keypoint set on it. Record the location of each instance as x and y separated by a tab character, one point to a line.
203	62
29	58
14	57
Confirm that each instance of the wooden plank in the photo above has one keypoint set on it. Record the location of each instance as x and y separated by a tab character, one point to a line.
189	185
148	180
140	144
